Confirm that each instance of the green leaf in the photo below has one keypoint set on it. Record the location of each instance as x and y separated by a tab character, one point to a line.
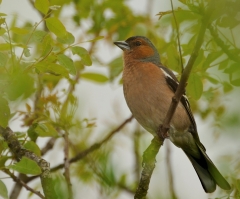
195	86
3	188
2	14
52	68
5	46
116	67
60	186
67	63
67	39
3	59
42	6
83	54
227	87
39	35
3	160
235	81
56	26
223	64
212	80
21	84
199	61
234	74
26	166
3	146
31	132
99	78
2	31
232	68
210	59
26	52
78	65
2	20
95	39
32	146
46	45
19	31
46	130
187	48
173	58
4	113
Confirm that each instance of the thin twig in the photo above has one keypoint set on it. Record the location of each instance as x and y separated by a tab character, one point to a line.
10	43
49	145
17	180
178	37
18	151
84	153
67	165
149	157
95	146
31	34
136	138
18	187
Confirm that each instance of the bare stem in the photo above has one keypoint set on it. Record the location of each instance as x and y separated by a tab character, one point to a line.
17	180
94	147
67	165
178	37
149	157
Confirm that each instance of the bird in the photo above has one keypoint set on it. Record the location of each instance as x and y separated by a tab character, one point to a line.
148	88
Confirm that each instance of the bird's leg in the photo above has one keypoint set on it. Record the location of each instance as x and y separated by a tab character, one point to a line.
162	132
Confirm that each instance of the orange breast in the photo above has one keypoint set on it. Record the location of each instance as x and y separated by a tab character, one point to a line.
148	97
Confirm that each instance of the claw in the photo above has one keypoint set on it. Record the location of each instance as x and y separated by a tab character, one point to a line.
163	132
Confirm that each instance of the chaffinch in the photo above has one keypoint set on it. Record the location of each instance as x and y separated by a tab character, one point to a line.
148	89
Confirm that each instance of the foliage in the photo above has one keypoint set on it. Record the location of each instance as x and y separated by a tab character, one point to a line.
42	63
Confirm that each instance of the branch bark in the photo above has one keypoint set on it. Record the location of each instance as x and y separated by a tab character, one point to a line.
149	157
18	181
67	165
18	151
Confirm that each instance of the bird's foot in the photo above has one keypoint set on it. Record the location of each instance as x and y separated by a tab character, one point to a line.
163	132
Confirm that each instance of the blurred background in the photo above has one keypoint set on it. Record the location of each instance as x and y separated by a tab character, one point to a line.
95	101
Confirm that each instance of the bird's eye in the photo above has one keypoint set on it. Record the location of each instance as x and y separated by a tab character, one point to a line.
138	43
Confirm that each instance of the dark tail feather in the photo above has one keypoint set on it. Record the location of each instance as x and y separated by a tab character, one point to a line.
207	172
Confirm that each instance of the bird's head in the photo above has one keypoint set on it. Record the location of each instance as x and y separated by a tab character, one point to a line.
139	48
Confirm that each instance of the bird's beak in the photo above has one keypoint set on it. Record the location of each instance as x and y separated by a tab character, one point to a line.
122	44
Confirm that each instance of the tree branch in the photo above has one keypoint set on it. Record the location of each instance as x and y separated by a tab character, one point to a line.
49	145
84	153
94	147
178	37
149	157
67	165
18	151
18	181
